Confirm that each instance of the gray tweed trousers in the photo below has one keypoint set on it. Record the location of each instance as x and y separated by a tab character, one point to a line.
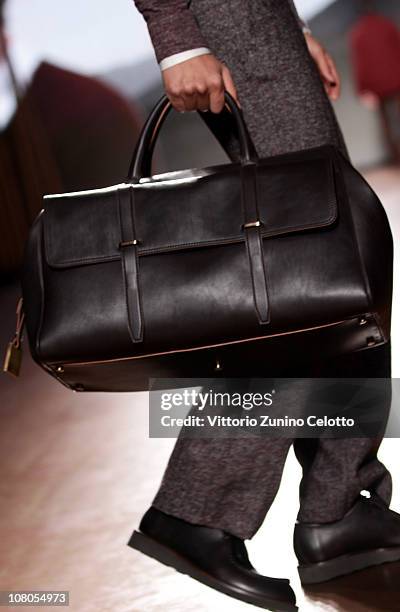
231	483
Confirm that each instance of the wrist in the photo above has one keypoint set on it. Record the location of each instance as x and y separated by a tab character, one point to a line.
184	56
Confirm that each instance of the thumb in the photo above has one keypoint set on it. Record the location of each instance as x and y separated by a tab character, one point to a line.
229	85
326	69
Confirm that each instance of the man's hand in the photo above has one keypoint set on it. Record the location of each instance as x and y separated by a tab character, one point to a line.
198	84
325	65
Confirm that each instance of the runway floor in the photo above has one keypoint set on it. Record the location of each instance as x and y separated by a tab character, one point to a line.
77	471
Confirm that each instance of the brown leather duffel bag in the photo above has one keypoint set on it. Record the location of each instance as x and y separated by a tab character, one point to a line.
206	271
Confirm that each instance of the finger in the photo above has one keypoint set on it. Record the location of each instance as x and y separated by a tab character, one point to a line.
332	68
190	101
203	101
328	76
332	88
217	99
333	91
324	68
229	85
336	84
177	102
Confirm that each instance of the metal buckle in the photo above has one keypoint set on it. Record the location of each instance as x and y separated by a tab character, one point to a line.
128	243
252	224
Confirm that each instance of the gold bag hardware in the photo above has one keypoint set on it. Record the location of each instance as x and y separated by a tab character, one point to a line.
13	359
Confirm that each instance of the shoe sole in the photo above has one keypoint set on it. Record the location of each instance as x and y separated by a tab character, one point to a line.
167	556
346	564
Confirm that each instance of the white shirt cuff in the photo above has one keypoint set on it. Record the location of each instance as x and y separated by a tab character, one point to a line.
178	58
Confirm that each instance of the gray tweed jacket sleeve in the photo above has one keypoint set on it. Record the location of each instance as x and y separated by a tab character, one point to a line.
173	27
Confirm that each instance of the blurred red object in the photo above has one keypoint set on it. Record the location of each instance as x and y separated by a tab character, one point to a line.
91	128
375	47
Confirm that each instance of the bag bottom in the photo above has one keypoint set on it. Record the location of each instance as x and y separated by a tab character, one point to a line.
255	358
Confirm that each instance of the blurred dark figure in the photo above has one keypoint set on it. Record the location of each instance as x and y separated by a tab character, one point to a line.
27	167
91	128
68	132
375	46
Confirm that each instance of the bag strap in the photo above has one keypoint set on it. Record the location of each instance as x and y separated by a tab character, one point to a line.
130	262
254	241
141	166
142	157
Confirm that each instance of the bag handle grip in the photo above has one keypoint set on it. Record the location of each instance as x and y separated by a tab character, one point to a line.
142	157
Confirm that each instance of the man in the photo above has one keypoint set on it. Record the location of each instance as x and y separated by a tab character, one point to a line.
215	493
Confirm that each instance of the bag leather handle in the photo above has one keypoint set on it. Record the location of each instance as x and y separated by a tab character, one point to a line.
141	167
142	157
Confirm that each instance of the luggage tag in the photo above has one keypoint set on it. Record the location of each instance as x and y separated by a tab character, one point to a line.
13	357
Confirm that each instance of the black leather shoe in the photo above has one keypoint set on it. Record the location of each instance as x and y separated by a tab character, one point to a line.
369	534
211	556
